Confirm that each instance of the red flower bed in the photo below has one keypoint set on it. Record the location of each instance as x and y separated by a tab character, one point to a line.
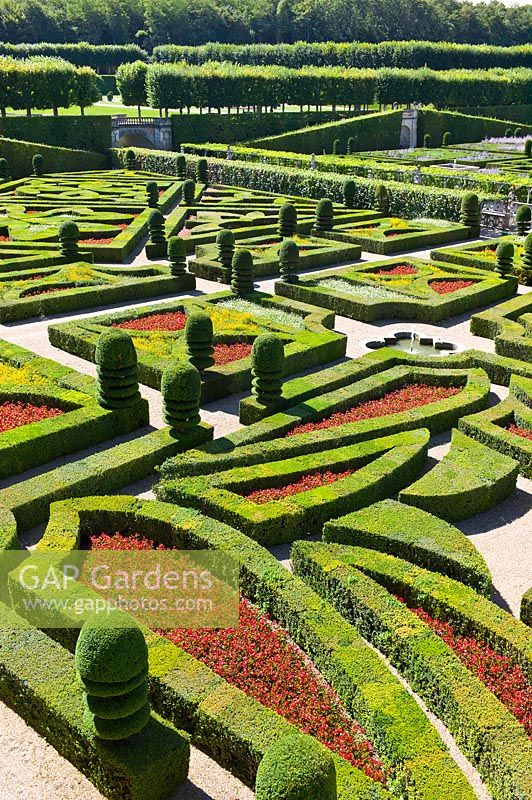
400	269
312	481
403	399
525	433
499	674
166	321
120	541
89	240
234	351
447	287
13	415
4	239
122	226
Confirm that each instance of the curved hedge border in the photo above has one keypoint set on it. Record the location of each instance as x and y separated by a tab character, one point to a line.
486	732
416	535
470	478
502	323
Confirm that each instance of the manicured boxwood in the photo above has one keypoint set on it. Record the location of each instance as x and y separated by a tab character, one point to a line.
507	325
480	255
360	292
526	608
416	535
470	478
379	468
16	259
58	159
393	234
486	732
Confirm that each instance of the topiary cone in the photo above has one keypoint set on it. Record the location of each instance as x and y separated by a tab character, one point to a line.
287	225
181	391
189	192
68	239
111	660
349	191
37	162
505	259
152	194
267	368
289	261
202	171
382	198
324	216
225	243
116	369
242	273
522	220
199	337
177	256
296	767
470	212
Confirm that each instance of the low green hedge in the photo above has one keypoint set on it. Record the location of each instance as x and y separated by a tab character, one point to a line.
380	467
20	260
470	478
526	608
507	325
19	155
411	533
80	133
485	731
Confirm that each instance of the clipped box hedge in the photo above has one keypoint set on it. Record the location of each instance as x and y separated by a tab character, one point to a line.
507	324
19	155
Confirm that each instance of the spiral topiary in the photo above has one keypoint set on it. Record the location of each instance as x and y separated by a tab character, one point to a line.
349	191
202	171
199	337
37	162
446	139
242	273
289	261
382	198
470	212
111	660
189	192
287	224
152	194
528	148
505	259
324	216
426	141
4	170
525	273
181	391
225	243
177	256
351	146
116	369
130	159
336	147
523	218
267	368
68	240
296	767
157	246
181	167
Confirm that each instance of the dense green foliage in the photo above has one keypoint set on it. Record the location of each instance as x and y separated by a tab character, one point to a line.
46	82
71	132
58	159
296	768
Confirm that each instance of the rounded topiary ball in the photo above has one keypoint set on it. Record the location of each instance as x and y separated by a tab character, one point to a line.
296	767
181	391
152	193
225	243
324	215
68	230
242	272
199	337
470	210
267	354
110	649
115	350
523	218
287	220
177	256
505	256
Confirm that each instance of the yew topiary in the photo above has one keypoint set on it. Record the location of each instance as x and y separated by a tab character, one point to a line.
287	225
37	162
225	243
324	216
4	170
177	256
382	198
68	240
242	273
181	391
349	191
470	212
202	171
289	261
351	146
152	194
505	259
116	369
157	245
296	767
130	159
189	192
267	368
111	660
199	337
522	220
181	167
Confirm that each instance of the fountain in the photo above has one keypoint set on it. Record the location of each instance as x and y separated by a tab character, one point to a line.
414	343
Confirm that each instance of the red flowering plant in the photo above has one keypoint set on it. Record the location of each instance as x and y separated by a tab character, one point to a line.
448	287
524	433
165	321
13	415
399	269
311	481
233	351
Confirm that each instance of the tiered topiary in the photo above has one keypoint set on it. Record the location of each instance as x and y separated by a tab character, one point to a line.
37	162
181	167
528	148
288	261
181	391
336	147
324	216
470	212
296	767
522	220
287	225
4	170
177	256
267	368
189	192
68	240
112	664
446	139
225	242
116	369
202	171
152	194
426	141
242	273
351	146
157	245
349	191
505	259
199	337
525	272
130	159
382	198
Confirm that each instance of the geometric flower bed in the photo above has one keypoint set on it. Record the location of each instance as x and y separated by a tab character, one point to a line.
509	326
400	288
480	255
393	234
304	331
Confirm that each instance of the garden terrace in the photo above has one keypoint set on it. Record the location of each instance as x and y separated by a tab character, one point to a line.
431	293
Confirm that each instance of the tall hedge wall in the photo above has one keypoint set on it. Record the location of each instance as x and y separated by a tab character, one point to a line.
462	128
517	113
78	133
56	159
102	57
